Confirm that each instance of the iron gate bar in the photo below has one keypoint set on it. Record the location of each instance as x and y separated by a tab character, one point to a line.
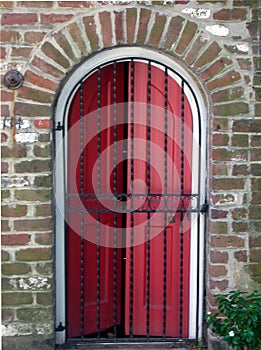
132	190
165	191
82	215
148	214
99	190
114	191
181	214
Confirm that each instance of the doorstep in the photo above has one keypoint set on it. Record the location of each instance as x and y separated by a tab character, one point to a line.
126	346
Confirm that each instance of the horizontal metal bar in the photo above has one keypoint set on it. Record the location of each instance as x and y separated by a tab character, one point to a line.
129	195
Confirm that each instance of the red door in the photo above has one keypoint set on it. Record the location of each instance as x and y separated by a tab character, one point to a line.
90	294
157	267
148	283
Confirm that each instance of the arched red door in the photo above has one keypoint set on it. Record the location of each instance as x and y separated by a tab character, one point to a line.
128	203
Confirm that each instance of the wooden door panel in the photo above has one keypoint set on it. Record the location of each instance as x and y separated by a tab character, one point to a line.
158	185
89	127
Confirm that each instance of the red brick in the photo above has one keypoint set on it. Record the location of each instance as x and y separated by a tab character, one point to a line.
43	210
75	4
256	184
6	4
40	80
256	198
223	154
231	109
255	141
119	27
247	125
220	140
255	255
219	214
255	155
228	94
90	29
4	167
32	225
239	213
220	285
14	211
219	169
10	36
186	37
65	45
231	14
34	254
241	256
32	110
218	227
49	50
21	52
220	124
217	270
239	140
5	111
226	80
228	184
19	18
245	64
143	24
28	94
106	29
15	240
33	37
216	68
54	18
47	67
193	53
240	169
131	18
43	239
5	225
227	241
157	30
43	123
4	137
35	4
76	35
2	52
7	95
239	227
218	257
209	55
173	31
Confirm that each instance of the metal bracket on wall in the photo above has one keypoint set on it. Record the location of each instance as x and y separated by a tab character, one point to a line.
60	328
204	208
59	127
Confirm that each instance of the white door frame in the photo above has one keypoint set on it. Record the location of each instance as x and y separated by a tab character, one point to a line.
197	231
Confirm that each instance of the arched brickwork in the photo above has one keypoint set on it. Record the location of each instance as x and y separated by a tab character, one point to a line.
49	49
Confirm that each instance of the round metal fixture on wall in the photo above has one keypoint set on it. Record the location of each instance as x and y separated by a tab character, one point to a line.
13	79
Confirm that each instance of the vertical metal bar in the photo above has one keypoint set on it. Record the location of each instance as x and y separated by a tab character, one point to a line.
132	191
82	215
114	191
99	190
165	192
148	214
182	213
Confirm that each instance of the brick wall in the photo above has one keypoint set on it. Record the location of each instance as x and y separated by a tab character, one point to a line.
218	42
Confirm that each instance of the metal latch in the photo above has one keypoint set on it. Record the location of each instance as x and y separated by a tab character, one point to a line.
60	328
204	208
59	127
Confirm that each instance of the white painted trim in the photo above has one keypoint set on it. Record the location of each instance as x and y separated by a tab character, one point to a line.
62	107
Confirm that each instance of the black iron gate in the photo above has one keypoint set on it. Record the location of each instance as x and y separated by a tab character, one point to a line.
132	204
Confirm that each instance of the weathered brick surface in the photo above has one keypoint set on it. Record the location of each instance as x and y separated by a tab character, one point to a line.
47	40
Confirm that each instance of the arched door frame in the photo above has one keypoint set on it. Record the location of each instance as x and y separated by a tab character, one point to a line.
199	113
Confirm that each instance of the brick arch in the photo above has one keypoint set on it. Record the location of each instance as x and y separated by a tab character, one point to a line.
83	35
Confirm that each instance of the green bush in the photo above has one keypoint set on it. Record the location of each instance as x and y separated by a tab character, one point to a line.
238	319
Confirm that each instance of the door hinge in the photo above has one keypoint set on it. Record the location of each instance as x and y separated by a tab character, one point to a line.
60	328
204	208
59	127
